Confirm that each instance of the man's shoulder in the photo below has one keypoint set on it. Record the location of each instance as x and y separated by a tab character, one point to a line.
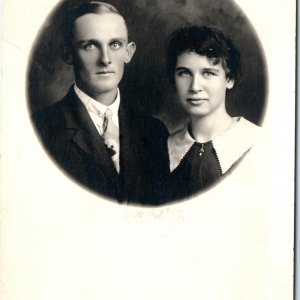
150	121
53	112
143	123
156	125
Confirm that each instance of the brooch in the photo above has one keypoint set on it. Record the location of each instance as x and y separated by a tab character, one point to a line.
201	150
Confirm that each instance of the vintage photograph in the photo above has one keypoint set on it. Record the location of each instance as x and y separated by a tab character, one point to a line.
148	150
147	116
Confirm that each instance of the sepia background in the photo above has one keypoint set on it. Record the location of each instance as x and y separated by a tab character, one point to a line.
235	241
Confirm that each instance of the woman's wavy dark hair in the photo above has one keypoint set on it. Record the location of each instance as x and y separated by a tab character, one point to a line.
207	41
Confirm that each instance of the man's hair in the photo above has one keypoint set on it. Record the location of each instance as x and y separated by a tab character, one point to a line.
88	7
207	41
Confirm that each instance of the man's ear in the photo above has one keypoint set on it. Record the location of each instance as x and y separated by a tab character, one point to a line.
130	49
230	83
66	54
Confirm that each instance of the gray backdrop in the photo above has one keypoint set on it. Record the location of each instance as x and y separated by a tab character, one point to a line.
150	22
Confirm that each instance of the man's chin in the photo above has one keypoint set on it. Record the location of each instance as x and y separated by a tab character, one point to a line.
99	93
105	90
105	85
99	87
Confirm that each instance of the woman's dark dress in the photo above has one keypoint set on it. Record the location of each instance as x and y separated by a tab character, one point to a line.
195	167
197	171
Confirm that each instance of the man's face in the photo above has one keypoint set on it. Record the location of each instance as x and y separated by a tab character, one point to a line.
100	49
201	86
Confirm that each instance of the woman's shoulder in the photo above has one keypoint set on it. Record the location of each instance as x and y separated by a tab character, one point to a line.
179	143
246	125
235	142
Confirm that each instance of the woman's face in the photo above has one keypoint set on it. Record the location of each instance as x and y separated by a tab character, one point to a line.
201	86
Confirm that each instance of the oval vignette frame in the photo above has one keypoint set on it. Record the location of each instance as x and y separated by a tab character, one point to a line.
49	78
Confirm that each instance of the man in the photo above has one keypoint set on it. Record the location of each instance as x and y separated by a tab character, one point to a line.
90	133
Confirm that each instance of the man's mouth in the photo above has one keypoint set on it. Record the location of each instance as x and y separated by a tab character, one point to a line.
103	72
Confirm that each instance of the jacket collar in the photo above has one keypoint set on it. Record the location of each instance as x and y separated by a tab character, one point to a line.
85	134
94	107
229	146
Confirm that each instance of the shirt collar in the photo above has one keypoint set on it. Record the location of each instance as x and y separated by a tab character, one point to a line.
229	146
94	106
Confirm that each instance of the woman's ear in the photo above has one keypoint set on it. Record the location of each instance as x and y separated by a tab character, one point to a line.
130	49
66	54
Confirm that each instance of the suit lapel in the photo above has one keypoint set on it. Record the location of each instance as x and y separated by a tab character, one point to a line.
86	136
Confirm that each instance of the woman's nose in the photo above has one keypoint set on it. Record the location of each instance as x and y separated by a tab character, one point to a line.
196	84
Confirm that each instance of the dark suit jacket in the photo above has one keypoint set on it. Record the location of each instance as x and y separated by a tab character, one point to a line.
70	136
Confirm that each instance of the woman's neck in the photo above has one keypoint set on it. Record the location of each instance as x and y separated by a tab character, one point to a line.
206	128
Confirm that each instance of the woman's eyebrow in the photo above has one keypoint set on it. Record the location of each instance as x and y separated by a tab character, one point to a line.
89	41
211	69
181	68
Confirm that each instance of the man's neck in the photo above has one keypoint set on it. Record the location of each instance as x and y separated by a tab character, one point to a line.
106	98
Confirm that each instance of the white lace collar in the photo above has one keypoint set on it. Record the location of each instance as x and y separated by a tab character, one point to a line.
229	146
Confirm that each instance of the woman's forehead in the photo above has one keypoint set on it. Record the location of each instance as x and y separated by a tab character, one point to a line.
194	58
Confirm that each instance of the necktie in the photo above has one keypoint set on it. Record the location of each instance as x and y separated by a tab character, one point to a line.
111	138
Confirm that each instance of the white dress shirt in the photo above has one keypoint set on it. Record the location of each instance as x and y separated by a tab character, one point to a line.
96	109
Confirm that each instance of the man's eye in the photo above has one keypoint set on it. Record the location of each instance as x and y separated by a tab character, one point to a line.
89	47
115	45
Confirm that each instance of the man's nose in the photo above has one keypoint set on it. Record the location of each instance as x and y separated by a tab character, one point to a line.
104	58
196	84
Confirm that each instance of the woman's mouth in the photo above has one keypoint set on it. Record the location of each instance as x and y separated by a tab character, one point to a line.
196	101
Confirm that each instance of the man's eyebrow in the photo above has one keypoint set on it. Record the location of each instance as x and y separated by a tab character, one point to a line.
94	41
119	39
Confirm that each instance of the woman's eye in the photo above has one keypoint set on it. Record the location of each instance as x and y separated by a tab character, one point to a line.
184	73
115	45
208	74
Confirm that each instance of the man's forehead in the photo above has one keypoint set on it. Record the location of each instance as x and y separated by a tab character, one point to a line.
106	24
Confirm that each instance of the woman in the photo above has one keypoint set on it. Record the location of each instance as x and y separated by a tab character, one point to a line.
203	63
